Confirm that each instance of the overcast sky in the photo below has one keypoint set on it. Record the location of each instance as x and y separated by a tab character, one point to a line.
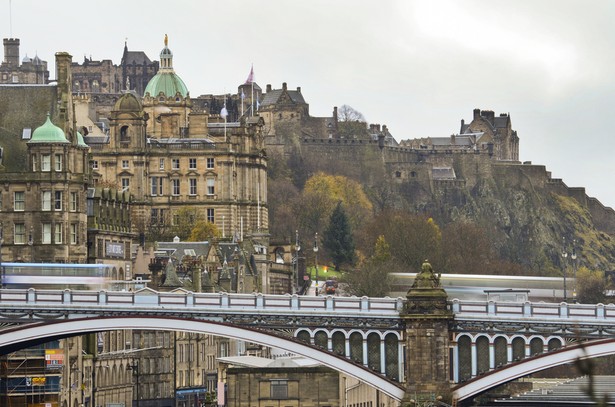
417	66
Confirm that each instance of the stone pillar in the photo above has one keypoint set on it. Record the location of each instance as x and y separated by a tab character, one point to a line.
427	319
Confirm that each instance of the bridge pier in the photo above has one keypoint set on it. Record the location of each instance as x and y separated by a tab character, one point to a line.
427	320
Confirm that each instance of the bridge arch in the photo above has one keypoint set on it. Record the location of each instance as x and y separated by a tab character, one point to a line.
478	353
24	335
561	356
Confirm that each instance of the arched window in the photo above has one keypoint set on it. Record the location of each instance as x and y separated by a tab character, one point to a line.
321	339
518	345
554	344
464	350
356	347
391	356
482	354
124	138
536	346
373	351
339	343
501	351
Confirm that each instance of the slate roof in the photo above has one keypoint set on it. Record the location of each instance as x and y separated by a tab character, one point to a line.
272	97
181	249
136	57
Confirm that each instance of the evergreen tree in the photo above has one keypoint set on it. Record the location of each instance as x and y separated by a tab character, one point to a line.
338	238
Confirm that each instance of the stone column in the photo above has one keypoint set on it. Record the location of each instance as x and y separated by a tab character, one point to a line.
427	319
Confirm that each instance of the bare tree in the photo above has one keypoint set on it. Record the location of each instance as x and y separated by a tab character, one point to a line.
348	114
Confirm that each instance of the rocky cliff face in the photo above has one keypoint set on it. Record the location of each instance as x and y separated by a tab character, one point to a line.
531	219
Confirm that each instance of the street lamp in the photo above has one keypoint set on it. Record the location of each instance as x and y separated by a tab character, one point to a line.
135	371
316	259
573	258
565	256
296	260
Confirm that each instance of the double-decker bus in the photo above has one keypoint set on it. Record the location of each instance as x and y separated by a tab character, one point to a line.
57	276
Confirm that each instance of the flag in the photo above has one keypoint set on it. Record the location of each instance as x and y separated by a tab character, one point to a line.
251	76
243	95
224	112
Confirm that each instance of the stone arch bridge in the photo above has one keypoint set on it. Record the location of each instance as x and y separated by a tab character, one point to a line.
387	342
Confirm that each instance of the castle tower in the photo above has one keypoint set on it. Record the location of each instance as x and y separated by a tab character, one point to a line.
11	52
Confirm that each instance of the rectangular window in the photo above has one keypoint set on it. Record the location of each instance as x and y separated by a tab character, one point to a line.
210	186
192	186
46	162
19	235
124	164
175	164
125	183
157	186
210	163
33	162
154	186
161	164
279	389
175	184
58	234
46	235
210	215
94	165
74	233
74	202
19	202
58	161
154	217
46	203
192	163
58	201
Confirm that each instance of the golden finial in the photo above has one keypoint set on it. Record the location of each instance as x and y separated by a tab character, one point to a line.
166	40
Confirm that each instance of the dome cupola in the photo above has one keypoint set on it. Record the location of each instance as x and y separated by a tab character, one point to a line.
166	81
48	133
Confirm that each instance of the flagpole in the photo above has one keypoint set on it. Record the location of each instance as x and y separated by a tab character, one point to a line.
252	83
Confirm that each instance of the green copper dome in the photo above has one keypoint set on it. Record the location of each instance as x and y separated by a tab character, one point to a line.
166	80
48	133
80	141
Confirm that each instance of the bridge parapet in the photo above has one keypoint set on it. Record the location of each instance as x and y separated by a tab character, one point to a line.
186	299
562	312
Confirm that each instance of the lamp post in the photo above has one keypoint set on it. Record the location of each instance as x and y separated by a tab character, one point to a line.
316	259
296	261
573	258
565	256
135	371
